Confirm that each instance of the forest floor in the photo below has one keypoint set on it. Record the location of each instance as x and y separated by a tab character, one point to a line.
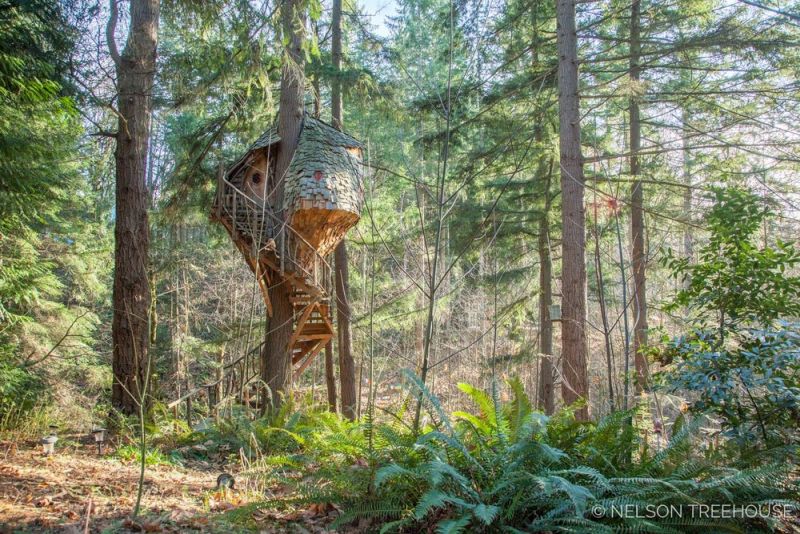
78	491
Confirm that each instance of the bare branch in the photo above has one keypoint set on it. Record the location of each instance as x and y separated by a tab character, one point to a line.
29	363
111	29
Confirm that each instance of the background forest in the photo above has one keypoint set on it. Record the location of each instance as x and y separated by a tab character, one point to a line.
566	290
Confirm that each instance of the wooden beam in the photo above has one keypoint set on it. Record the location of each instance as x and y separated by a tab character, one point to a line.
308	361
299	326
309	337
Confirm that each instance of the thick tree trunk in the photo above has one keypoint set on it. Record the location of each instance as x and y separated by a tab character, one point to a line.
347	368
638	257
573	278
135	69
277	361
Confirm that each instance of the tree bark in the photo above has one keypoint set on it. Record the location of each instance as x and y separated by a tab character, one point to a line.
276	359
638	258
336	56
575	384
330	377
546	393
135	69
347	368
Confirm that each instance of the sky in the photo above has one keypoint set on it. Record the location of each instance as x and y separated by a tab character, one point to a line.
379	10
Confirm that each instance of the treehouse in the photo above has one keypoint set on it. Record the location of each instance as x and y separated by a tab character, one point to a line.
287	239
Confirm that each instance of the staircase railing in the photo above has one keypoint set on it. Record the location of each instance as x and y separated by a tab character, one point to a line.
284	239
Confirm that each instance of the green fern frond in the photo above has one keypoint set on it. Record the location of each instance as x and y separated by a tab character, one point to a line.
486	513
453	526
484	402
382	510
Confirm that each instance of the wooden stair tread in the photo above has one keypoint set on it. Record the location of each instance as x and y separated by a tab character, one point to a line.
320	328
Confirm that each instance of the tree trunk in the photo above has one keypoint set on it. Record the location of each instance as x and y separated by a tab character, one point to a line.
688	239
277	361
546	391
575	384
336	56
638	258
347	368
546	397
330	377
135	69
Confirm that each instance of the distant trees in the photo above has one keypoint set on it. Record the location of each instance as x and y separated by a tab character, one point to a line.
52	241
136	69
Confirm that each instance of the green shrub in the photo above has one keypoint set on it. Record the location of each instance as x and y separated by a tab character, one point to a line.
740	361
132	453
23	397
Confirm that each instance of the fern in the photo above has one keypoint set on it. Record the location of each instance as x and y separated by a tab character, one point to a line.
453	526
501	467
508	467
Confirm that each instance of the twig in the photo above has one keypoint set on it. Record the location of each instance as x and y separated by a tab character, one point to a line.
88	516
58	344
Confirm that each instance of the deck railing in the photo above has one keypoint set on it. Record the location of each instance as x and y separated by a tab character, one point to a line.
257	221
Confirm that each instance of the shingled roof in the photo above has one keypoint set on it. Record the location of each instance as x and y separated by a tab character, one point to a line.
268	138
323	132
324	169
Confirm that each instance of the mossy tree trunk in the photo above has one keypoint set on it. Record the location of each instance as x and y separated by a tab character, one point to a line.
639	261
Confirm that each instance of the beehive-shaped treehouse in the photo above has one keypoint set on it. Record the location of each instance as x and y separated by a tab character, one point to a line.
288	241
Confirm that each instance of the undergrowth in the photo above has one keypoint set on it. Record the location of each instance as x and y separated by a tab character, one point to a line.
500	467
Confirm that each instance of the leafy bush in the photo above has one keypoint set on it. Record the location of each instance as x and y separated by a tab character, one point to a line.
753	388
740	361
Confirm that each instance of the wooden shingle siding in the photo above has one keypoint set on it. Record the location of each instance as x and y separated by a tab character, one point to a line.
323	194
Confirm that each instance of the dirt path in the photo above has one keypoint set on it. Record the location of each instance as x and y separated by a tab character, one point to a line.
61	493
